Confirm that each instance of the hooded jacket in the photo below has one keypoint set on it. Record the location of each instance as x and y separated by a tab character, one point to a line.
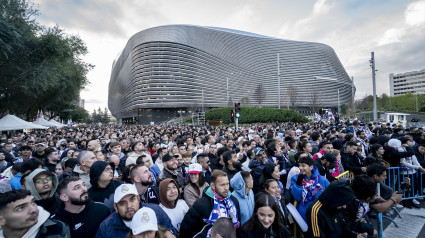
81	174
323	217
52	202
45	227
193	220
297	191
246	202
85	223
420	157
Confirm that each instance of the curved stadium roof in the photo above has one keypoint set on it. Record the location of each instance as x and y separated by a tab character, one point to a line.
169	66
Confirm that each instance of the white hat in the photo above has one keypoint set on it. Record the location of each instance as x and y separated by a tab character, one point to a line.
123	190
144	220
195	168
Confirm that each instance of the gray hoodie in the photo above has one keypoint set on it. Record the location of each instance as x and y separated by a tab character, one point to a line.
30	186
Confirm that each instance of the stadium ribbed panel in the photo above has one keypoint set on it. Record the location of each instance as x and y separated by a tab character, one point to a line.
169	66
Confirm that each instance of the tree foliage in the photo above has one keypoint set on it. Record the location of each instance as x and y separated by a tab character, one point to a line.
254	114
40	68
406	103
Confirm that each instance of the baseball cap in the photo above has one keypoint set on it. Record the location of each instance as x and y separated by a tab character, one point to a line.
168	157
123	190
330	158
257	150
40	144
144	220
195	168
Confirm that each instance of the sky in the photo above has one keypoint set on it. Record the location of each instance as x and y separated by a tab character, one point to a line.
393	29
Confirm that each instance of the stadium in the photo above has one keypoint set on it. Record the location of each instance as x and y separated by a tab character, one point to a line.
169	69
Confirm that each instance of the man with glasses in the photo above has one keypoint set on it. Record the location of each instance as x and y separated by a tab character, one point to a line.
204	161
103	184
42	184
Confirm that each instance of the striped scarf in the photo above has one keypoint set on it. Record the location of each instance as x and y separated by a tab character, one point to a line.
223	207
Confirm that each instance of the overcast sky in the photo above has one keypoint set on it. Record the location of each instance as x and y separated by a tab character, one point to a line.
393	29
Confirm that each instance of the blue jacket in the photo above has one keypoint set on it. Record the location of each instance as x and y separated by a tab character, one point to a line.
297	191
246	203
113	226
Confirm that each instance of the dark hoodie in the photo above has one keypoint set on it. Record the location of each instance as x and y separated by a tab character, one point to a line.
103	195
51	203
323	217
419	156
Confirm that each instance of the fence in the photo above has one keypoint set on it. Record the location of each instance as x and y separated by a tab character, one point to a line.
406	181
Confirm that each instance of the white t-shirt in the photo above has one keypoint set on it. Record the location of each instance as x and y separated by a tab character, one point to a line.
176	214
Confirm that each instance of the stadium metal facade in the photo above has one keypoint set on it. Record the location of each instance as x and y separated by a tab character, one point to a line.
169	68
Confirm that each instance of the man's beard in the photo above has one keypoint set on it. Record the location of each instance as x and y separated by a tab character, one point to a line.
147	183
238	166
81	201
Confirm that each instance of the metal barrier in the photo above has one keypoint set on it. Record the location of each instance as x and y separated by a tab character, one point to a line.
401	179
404	180
346	175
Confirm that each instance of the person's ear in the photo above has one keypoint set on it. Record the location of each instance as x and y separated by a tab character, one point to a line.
64	197
115	207
2	220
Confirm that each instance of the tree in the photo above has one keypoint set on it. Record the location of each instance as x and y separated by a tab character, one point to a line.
259	94
344	109
245	101
40	68
314	99
292	96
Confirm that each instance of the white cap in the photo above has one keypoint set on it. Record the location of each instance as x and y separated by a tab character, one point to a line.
123	190
195	168
144	220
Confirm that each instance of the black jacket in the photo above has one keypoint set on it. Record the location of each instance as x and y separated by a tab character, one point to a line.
53	229
325	172
323	217
352	162
104	195
151	195
214	162
50	204
258	231
193	220
393	156
167	174
230	173
85	223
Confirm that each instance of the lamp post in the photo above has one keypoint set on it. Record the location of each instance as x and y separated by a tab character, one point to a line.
372	64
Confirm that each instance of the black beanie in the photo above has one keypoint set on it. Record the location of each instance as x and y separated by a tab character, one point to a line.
96	170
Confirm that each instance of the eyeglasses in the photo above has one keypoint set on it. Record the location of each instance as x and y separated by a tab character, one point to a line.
108	169
41	180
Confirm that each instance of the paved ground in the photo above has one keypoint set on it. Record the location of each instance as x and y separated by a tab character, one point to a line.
411	224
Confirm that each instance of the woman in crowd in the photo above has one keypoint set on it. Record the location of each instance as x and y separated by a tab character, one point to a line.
59	169
376	156
175	208
337	154
264	222
242	183
271	171
271	187
196	184
305	147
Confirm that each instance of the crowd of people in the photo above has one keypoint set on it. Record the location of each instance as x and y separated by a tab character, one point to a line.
189	181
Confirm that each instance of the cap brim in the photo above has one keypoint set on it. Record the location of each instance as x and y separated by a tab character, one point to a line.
194	172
